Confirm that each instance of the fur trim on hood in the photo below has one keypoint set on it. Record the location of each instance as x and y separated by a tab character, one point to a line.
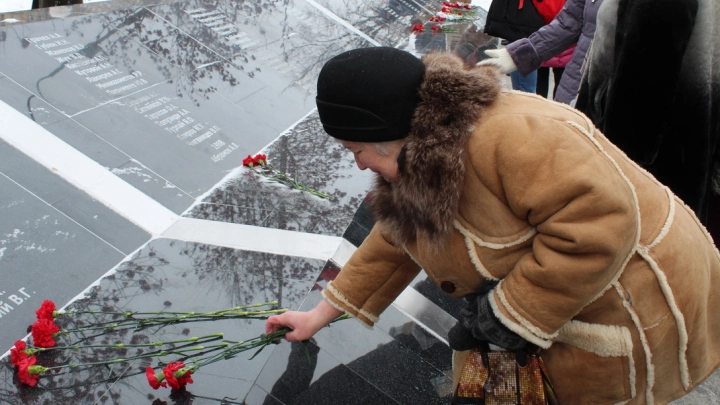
432	164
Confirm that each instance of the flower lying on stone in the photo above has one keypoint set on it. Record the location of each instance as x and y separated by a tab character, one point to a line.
177	375
28	372
257	160
259	164
46	310
43	333
155	379
17	353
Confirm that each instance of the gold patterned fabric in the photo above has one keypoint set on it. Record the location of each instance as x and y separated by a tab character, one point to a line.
495	378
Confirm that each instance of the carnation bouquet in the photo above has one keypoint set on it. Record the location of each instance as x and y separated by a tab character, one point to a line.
175	360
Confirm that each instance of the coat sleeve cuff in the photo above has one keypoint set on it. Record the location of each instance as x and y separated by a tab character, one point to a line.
509	317
524	55
337	300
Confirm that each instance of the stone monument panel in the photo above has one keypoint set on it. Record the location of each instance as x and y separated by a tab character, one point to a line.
387	22
43	254
171	276
80	63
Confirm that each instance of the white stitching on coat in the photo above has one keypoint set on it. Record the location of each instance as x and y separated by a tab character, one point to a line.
649	398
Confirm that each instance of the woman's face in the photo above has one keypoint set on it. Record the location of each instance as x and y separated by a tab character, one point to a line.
368	157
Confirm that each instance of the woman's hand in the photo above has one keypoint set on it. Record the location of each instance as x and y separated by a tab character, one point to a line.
303	324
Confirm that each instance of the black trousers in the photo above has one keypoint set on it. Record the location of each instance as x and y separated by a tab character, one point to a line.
52	3
543	80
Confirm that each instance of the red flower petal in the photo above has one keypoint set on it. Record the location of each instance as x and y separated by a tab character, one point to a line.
24	373
42	331
46	310
153	380
16	353
177	382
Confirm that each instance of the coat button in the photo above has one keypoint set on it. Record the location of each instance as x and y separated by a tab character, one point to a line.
448	287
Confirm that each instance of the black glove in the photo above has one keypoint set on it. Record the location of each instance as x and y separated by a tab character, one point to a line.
461	338
478	324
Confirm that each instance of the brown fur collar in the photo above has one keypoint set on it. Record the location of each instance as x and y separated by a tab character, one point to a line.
432	164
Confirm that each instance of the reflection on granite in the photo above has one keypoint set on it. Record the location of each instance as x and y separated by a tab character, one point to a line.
293	38
44	253
387	22
181	50
86	56
54	13
397	357
169	275
361	224
300	373
318	162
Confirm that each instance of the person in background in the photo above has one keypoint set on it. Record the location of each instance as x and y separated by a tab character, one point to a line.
555	237
556	67
652	85
53	3
511	20
574	24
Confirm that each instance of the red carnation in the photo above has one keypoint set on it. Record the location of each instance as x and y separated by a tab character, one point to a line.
155	379
418	28
23	371
42	333
248	161
459	13
446	10
46	310
173	379
17	354
260	159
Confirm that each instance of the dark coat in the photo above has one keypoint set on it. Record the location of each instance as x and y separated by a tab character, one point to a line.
652	86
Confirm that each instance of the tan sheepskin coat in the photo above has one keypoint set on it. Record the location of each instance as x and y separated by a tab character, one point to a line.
600	265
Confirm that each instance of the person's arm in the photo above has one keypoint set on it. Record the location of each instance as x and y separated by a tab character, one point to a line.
552	175
370	281
550	40
303	324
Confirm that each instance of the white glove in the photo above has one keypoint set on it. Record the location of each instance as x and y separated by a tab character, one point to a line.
500	58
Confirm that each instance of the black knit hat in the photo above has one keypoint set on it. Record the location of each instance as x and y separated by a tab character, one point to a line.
369	94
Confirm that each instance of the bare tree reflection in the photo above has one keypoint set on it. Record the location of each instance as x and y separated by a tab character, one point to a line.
318	162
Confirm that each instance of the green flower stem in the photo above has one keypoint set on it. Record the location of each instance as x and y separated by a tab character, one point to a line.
208	338
148	322
271	174
142	356
130	313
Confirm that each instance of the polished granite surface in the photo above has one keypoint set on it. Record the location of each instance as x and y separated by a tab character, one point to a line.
169	96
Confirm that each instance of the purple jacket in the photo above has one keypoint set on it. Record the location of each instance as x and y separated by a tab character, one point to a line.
575	23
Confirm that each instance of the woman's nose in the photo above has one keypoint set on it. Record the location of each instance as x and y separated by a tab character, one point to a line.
359	163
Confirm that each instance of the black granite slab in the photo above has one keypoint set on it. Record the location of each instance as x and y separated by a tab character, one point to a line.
291	38
169	275
387	22
397	356
76	64
85	211
44	254
302	373
318	162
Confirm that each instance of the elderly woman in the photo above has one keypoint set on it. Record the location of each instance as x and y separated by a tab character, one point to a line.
572	246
